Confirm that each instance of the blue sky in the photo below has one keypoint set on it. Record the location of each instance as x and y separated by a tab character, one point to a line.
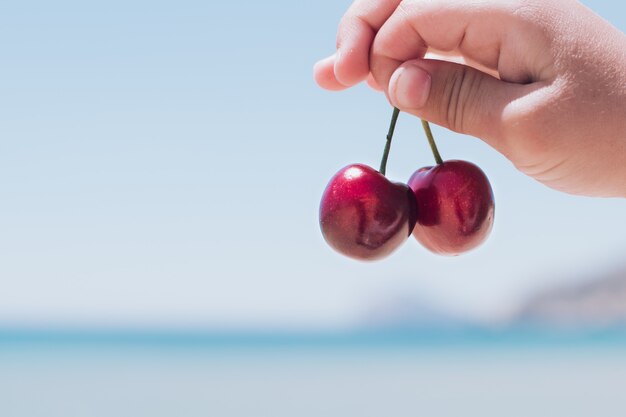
161	164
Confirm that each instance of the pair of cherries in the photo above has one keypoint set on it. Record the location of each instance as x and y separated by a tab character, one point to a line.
449	207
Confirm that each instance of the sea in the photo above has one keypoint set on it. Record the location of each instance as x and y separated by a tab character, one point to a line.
459	373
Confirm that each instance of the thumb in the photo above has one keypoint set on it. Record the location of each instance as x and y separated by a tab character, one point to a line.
454	96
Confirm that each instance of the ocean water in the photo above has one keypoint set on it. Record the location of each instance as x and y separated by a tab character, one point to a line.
71	376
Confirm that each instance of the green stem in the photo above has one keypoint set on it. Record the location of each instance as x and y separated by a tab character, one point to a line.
392	127
431	142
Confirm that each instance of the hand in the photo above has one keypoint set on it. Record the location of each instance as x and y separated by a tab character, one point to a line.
541	81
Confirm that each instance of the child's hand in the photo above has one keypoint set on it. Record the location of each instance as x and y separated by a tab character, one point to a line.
543	81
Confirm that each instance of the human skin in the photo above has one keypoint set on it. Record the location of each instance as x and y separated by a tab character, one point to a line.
541	81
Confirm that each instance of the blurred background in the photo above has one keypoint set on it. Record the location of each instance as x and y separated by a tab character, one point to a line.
161	165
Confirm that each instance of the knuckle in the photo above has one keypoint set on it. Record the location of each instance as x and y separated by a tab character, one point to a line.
460	97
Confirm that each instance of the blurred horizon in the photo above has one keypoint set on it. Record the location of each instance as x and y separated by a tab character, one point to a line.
583	305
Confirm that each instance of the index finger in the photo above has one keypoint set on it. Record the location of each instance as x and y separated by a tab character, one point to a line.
357	30
491	34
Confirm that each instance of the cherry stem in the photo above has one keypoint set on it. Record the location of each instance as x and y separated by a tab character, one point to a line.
392	127
431	142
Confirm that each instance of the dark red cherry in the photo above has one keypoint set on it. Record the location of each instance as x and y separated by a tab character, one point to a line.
365	216
455	207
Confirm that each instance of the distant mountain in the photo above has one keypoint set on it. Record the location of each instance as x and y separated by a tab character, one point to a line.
597	302
406	311
588	303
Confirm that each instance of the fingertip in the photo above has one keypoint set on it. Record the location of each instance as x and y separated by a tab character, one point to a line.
350	67
409	86
324	74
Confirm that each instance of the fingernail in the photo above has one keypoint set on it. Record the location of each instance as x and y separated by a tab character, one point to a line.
409	87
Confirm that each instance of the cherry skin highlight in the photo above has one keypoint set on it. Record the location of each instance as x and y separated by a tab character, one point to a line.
365	216
455	207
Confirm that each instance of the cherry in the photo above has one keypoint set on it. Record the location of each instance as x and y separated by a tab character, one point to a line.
365	216
455	205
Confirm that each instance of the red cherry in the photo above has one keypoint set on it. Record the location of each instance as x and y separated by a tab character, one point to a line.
365	216
455	207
